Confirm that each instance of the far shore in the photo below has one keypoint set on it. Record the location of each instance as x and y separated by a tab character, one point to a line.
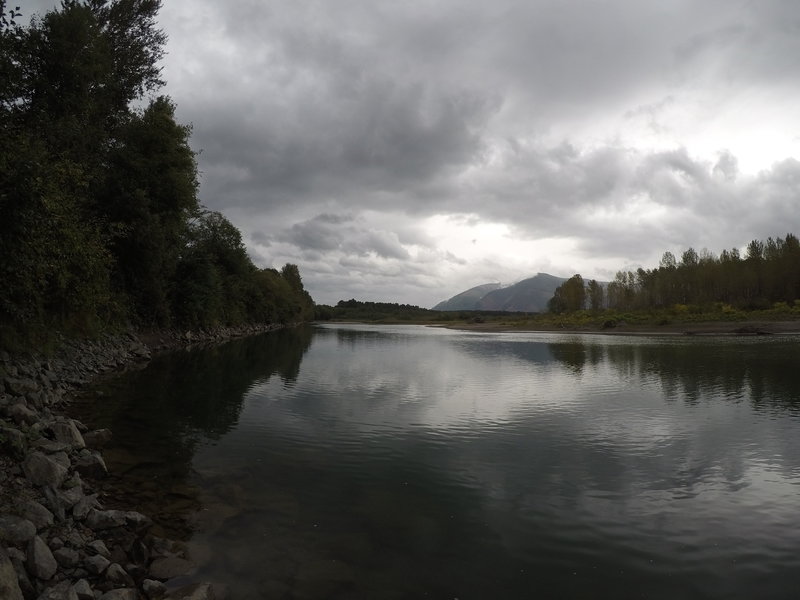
732	328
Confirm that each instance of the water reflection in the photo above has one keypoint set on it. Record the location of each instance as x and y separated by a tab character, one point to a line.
404	462
161	413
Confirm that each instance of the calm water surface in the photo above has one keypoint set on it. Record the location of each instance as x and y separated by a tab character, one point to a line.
412	462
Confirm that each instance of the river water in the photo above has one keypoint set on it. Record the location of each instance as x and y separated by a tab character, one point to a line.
356	461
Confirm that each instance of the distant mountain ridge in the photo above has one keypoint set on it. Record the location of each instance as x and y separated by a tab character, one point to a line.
528	295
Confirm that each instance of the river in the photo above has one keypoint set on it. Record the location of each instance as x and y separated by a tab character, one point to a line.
358	461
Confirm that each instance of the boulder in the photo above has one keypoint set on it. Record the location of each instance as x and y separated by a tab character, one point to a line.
105	519
13	441
153	588
91	465
170	567
60	591
96	564
9	582
118	577
42	470
83	590
67	557
195	591
121	594
21	414
37	514
67	432
97	439
41	563
16	530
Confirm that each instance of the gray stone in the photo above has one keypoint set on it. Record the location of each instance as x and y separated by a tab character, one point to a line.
153	588
41	470
67	557
21	414
54	502
13	441
37	514
169	567
9	582
195	591
16	530
20	387
67	432
96	564
55	543
121	594
105	519
92	466
61	458
84	506
61	591
41	563
83	590
98	547
118	577
70	497
137	520
97	439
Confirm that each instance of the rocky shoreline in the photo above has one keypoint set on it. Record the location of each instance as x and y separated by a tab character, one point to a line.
57	542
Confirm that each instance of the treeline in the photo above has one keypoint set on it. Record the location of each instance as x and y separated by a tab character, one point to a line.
99	218
357	310
767	274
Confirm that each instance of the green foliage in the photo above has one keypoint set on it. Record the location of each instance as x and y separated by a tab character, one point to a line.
769	274
99	220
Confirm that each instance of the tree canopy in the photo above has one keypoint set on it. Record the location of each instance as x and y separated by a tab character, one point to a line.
100	223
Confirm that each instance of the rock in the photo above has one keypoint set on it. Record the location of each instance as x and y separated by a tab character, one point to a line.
61	591
169	567
69	498
41	470
121	594
67	433
16	530
37	514
67	557
21	387
13	441
97	439
96	564
84	506
21	414
41	563
9	582
153	589
83	590
105	519
118	577
137	520
98	547
195	591
91	465
54	503
55	543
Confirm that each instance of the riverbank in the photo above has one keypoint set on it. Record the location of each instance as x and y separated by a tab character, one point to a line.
57	541
754	327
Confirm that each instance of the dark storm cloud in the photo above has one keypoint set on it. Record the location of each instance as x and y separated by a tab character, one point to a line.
331	132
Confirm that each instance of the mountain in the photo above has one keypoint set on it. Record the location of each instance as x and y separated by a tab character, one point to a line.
528	295
467	300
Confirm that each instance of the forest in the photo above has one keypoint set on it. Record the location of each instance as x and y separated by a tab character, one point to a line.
100	223
767	276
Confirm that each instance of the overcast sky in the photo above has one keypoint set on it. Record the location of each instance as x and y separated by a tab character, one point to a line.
406	151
